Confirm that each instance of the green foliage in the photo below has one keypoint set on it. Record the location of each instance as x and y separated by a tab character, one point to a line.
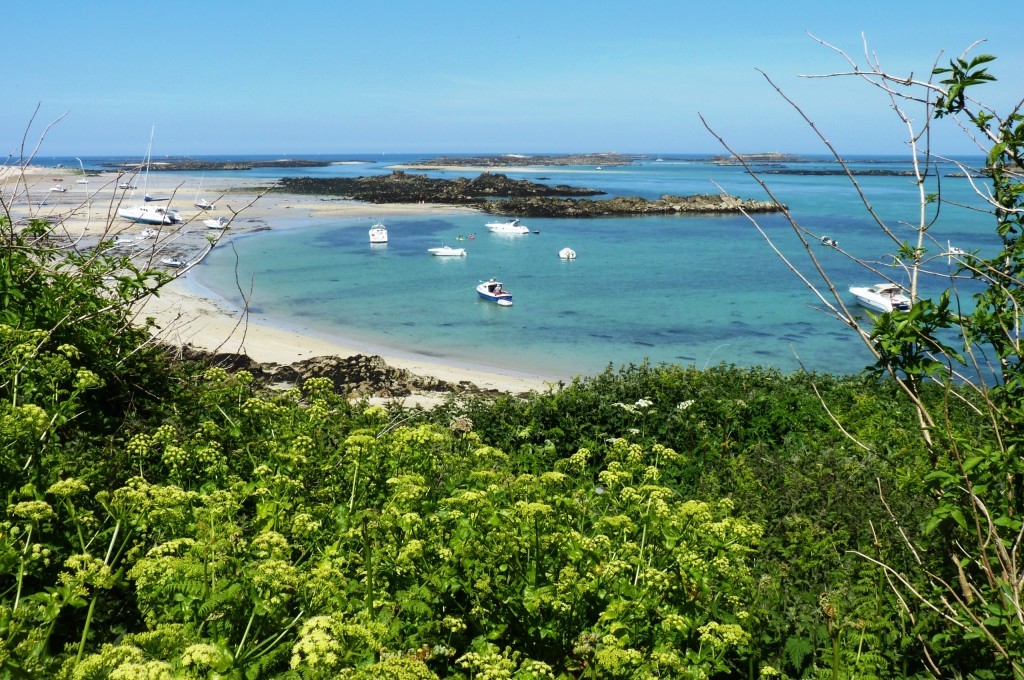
179	521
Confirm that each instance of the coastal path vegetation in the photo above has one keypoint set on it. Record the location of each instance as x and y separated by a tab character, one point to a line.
170	519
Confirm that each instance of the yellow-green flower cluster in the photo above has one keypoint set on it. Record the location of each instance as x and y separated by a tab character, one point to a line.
723	636
68	488
27	421
33	511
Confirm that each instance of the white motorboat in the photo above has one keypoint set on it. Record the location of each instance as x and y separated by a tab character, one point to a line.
378	233
447	251
218	223
507	227
881	297
567	254
148	214
494	292
59	189
172	262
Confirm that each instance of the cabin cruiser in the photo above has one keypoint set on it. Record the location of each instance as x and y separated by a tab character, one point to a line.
378	233
447	251
508	227
881	297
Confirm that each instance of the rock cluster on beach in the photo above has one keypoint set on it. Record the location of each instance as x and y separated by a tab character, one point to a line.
355	376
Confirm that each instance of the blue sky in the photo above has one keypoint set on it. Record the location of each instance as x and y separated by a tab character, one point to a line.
422	77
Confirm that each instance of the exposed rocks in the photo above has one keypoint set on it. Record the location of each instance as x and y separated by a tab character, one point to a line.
701	204
354	376
498	195
401	187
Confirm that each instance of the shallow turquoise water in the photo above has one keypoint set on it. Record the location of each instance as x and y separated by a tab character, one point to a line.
688	290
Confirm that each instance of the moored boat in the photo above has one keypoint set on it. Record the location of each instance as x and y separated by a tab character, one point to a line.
447	251
881	297
567	254
493	291
218	223
378	233
507	227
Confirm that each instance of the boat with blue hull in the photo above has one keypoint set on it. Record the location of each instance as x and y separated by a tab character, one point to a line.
493	291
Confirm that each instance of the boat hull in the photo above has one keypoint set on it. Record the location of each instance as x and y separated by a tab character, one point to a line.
490	291
510	227
147	215
447	252
881	298
378	234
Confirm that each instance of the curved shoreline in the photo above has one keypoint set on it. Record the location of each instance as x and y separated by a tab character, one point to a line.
187	313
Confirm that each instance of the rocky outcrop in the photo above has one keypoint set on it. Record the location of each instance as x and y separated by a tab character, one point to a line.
355	376
401	187
498	195
701	204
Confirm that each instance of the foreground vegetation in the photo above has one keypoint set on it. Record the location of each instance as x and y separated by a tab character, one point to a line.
172	520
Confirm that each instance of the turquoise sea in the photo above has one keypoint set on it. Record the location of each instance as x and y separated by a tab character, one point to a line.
686	290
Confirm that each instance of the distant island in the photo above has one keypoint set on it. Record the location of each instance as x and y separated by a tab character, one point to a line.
193	165
516	160
496	194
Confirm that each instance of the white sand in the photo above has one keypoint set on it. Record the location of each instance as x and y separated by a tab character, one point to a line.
187	314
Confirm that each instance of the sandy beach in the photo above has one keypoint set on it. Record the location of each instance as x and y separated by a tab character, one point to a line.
85	212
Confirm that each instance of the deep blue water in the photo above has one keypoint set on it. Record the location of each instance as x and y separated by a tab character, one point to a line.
687	290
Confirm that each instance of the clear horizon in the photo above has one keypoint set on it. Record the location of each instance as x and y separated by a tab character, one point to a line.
216	78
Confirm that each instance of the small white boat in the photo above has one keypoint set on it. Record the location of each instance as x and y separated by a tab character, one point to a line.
378	233
494	292
218	223
59	189
507	227
150	215
146	214
567	254
126	185
147	233
447	251
829	241
172	262
881	297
